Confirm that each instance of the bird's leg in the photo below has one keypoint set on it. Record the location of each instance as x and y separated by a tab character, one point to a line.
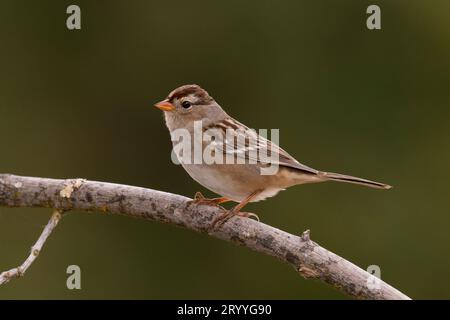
200	199
235	211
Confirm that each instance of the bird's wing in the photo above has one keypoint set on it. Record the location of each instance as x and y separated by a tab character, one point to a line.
242	142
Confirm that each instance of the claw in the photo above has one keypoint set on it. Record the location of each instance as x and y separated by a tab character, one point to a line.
200	199
220	220
235	211
198	196
248	215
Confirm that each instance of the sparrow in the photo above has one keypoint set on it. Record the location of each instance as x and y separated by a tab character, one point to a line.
241	182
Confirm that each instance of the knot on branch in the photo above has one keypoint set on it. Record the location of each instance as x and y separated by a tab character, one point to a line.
306	235
70	187
308	273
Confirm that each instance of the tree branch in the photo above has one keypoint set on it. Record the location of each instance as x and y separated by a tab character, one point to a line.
35	250
307	257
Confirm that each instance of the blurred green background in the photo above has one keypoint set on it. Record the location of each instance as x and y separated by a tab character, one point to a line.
374	104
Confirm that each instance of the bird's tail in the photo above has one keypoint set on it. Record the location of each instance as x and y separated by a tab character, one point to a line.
344	178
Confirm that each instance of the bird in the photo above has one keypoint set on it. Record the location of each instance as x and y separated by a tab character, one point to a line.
239	181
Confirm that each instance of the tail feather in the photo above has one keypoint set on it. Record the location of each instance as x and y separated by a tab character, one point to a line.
356	180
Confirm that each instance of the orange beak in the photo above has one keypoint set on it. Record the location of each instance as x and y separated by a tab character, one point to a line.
165	106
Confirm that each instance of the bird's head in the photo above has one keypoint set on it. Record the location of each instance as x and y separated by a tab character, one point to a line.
187	104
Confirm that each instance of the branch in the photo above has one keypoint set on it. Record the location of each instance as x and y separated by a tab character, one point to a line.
35	250
307	257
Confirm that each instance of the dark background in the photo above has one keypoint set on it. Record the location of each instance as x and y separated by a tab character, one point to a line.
369	103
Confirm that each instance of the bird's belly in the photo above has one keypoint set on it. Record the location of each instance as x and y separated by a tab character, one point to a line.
234	181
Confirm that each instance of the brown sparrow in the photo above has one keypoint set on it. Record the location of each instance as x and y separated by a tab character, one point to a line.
237	181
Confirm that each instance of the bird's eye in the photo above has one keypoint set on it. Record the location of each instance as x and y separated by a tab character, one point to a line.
186	104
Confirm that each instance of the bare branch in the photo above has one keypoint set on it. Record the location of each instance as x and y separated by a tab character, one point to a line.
35	250
307	257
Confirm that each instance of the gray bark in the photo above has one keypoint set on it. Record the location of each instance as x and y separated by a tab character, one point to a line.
307	257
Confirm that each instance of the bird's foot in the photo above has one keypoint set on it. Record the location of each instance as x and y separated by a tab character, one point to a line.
220	220
200	199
